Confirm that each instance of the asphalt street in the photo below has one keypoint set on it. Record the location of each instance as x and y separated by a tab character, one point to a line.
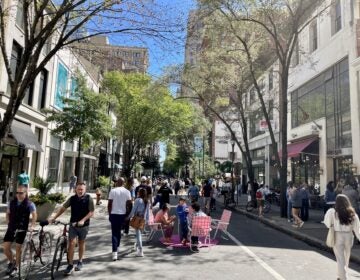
250	251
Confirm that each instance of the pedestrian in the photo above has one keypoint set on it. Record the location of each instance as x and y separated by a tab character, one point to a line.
193	192
196	213
352	193
118	198
345	221
329	197
260	198
296	201
182	211
214	195
176	187
23	179
72	183
18	219
165	192
206	193
289	203
305	198
82	209
141	209
143	185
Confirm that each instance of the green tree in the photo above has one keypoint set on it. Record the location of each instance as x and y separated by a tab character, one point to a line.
83	118
146	113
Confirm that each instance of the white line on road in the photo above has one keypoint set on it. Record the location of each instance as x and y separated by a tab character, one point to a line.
276	275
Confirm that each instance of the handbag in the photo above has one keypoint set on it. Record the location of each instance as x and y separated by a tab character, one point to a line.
330	239
137	222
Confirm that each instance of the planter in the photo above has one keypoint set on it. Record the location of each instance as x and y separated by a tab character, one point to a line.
45	210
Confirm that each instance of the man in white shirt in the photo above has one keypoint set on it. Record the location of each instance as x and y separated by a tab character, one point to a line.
117	213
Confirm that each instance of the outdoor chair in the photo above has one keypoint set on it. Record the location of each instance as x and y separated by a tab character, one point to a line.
200	227
221	224
154	227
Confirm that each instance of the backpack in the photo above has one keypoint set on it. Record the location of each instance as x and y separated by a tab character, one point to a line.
259	194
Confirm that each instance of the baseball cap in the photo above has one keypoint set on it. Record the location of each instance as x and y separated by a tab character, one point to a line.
143	179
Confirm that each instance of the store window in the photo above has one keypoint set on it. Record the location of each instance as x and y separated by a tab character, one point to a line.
54	158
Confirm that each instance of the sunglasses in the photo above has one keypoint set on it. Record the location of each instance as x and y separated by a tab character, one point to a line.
20	192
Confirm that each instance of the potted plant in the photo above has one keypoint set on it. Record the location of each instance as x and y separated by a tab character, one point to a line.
45	202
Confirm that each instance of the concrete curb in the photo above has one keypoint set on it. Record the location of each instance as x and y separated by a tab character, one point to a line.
312	241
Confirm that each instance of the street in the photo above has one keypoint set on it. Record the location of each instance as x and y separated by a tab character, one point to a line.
250	251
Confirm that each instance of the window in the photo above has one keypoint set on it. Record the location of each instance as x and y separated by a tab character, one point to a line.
271	79
313	36
336	20
20	14
42	89
28	97
54	158
296	54
252	96
68	168
15	59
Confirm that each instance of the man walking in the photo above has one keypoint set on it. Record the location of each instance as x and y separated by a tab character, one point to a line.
72	183
118	198
17	218
82	209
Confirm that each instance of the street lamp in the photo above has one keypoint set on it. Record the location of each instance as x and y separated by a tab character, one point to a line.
232	141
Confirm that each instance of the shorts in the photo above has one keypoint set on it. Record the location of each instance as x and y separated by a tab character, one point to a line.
10	236
295	207
80	232
261	202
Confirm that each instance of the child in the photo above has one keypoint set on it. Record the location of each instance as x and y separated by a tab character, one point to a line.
182	211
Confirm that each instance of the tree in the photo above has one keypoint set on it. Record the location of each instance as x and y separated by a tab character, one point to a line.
146	113
83	118
282	21
52	25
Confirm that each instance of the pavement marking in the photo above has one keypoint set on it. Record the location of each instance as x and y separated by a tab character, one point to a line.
269	269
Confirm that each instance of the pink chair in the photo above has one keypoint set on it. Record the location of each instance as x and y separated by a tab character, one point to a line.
154	227
223	223
200	227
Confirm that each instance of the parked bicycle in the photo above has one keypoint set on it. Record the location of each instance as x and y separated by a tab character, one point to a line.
60	248
31	252
252	204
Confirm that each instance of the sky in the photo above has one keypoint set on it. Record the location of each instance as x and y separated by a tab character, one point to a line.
163	53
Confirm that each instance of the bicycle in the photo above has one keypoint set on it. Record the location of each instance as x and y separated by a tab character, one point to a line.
252	204
60	249
32	252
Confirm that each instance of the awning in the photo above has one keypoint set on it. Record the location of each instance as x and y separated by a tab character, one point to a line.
24	136
294	149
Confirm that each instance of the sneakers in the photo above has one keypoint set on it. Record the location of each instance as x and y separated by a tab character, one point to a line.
79	266
195	249
14	272
139	253
114	256
301	224
69	269
9	268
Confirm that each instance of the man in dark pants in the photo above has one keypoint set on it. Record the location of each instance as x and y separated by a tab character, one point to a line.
118	198
82	209
17	218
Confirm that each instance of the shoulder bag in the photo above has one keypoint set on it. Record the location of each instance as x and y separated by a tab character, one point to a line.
137	222
330	239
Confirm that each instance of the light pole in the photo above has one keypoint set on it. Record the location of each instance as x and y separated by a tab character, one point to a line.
232	141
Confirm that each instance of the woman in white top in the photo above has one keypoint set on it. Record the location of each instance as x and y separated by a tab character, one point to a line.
345	221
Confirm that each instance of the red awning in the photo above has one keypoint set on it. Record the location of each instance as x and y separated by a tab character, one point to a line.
294	149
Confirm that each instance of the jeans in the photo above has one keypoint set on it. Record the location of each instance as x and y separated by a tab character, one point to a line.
183	231
289	207
138	239
305	210
116	224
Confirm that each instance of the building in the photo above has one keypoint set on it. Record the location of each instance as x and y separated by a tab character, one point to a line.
99	52
30	144
323	118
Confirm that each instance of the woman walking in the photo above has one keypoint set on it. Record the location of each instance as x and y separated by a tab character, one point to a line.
345	221
141	208
296	201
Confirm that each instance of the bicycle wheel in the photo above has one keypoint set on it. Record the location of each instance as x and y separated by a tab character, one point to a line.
267	207
46	248
58	254
26	260
249	206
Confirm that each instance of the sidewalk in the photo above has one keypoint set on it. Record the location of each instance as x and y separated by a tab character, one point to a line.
313	232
